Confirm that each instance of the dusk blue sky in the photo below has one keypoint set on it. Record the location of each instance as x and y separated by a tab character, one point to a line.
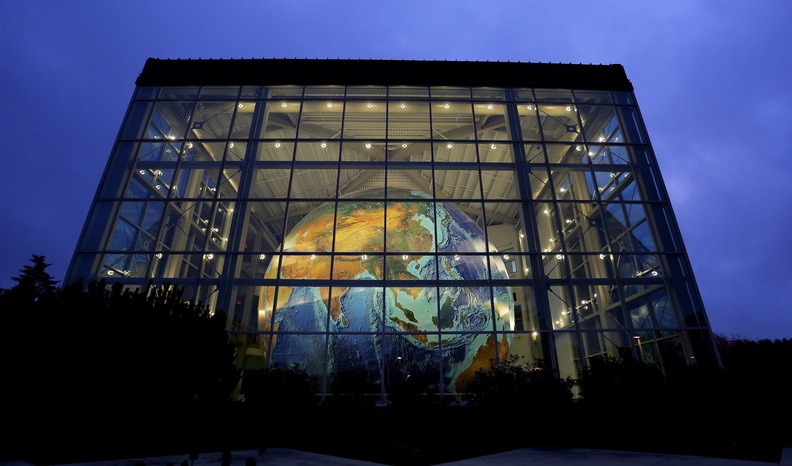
713	79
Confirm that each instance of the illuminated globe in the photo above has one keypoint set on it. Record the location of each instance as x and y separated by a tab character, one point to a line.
430	246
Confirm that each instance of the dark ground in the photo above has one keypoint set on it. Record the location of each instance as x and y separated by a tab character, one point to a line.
417	436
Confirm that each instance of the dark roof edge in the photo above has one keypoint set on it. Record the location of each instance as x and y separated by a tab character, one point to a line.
295	71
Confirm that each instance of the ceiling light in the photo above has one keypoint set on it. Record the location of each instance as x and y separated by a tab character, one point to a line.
159	255
602	256
231	145
209	256
369	105
489	107
277	144
446	106
283	104
364	257
240	105
313	256
568	221
559	256
404	146
578	148
329	105
403	106
530	107
450	145
405	257
568	108
324	144
493	146
368	145
262	256
505	257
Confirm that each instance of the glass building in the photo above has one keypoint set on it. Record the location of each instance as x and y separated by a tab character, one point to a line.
392	223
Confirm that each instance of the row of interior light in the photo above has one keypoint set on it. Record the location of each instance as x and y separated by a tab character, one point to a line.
404	145
568	108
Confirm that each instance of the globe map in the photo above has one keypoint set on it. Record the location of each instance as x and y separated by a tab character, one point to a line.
433	332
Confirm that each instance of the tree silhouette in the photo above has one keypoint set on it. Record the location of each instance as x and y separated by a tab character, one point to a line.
34	282
106	355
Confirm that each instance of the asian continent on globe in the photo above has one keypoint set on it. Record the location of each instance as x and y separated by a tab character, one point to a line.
376	331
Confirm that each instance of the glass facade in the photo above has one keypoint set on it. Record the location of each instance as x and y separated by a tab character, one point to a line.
380	235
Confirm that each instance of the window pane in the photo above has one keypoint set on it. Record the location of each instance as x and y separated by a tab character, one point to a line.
491	122
275	151
317	182
219	92
212	120
321	120
496	153
452	120
169	120
408	120
365	119
279	120
559	123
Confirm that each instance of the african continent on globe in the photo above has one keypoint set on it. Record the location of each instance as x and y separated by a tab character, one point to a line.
417	326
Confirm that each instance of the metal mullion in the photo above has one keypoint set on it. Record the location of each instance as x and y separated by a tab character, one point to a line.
242	218
486	237
326	363
441	365
284	232
570	289
542	298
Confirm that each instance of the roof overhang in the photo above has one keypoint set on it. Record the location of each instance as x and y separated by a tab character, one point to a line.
292	71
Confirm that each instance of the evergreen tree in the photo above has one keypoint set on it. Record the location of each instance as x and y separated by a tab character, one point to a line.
34	281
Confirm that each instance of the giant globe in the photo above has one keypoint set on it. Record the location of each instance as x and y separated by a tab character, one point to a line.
398	310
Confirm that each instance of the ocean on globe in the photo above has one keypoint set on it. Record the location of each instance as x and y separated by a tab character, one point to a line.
394	313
